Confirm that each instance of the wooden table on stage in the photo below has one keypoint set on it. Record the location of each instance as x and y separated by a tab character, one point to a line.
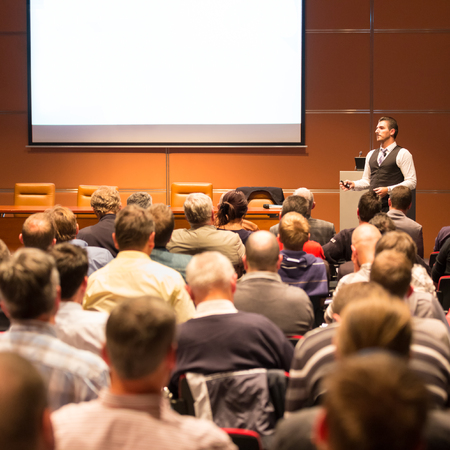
11	227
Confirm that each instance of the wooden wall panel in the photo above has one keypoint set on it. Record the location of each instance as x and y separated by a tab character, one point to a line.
13	72
427	137
337	78
13	16
411	71
326	14
411	14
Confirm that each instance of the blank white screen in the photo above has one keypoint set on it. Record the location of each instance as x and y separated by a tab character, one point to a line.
174	71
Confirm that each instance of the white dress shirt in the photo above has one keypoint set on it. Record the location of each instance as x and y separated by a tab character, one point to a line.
405	163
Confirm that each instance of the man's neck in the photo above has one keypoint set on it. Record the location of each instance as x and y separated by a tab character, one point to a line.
387	143
397	209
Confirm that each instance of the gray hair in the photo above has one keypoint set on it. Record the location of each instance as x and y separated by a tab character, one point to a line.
28	283
209	270
106	199
142	199
139	333
198	208
305	193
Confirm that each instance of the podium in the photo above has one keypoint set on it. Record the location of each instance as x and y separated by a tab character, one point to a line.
348	201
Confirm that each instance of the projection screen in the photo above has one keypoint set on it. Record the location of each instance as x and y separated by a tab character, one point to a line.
168	72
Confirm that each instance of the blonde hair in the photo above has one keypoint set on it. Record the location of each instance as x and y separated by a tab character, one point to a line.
294	231
106	199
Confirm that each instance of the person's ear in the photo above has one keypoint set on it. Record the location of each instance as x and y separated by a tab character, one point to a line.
21	239
77	230
357	212
389	202
151	241
336	317
116	244
233	282
280	259
53	242
5	309
244	261
189	291
104	354
47	434
313	205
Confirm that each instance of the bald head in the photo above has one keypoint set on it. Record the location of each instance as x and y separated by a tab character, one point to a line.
262	252
38	231
364	240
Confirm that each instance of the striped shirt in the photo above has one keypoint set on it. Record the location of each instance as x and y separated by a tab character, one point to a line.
314	358
133	422
71	375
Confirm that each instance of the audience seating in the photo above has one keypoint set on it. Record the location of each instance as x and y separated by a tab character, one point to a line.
294	338
179	192
244	439
34	194
258	196
432	260
443	292
250	399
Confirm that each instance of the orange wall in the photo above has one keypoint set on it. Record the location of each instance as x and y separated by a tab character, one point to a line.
356	71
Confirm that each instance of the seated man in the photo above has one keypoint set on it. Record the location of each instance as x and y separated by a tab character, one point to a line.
298	204
82	329
321	230
106	204
164	225
67	229
133	414
363	409
399	202
30	295
299	268
133	274
38	231
25	415
441	238
393	271
340	246
315	354
142	199
220	338
203	235
261	290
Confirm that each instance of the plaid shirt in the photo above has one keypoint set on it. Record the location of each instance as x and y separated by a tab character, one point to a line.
71	375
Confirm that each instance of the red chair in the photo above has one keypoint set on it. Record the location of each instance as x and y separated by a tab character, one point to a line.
432	259
244	439
294	338
443	292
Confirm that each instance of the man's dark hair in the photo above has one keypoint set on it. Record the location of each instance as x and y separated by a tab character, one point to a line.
65	223
368	206
383	222
401	198
164	223
4	252
23	402
295	203
375	402
392	270
139	333
133	227
392	123
28	283
38	231
142	199
72	264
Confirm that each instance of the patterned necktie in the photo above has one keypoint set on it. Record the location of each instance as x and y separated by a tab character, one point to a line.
382	155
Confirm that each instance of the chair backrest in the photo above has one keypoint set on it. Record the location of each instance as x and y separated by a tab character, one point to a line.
258	196
443	292
294	338
34	194
432	260
244	439
179	192
249	399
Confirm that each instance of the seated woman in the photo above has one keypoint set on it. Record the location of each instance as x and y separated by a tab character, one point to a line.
230	215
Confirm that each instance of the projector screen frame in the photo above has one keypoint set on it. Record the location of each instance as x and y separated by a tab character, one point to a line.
167	144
